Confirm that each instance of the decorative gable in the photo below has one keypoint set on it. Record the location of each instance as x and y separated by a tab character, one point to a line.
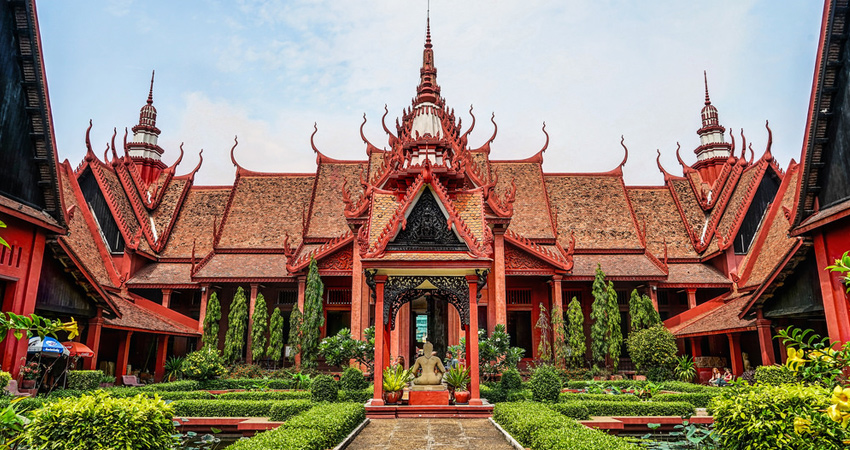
427	227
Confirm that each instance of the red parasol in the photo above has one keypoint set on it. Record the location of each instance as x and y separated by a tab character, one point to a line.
78	349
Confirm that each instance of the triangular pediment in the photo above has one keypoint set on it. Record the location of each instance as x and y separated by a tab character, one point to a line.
426	228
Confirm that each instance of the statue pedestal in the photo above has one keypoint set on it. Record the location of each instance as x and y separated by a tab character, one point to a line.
428	395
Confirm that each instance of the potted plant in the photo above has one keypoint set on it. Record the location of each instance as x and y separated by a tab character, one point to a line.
458	380
395	378
29	373
106	381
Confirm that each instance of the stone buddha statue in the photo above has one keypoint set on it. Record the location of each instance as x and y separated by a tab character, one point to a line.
432	367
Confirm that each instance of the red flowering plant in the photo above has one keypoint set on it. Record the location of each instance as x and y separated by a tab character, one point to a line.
30	371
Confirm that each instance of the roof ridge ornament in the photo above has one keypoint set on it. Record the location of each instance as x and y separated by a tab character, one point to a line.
150	93
622	143
705	78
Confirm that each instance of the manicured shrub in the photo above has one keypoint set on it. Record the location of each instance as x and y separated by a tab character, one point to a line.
204	364
84	423
352	379
569	397
763	416
84	379
775	375
680	386
698	399
324	389
5	378
322	427
265	395
182	385
360	396
616	408
511	380
545	384
283	410
660	374
572	409
493	394
222	408
652	347
523	419
579	438
245	371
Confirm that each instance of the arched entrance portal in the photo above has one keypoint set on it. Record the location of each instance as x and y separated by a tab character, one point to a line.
394	291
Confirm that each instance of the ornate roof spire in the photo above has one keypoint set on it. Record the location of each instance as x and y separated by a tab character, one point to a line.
143	148
705	78
427	91
713	149
150	93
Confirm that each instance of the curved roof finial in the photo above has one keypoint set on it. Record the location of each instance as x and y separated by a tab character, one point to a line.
179	159
626	156
667	174
90	156
150	93
384	123
705	78
126	150
106	153
369	146
312	143
200	161
743	145
546	145
114	133
767	154
495	128
685	168
471	127
732	150
232	157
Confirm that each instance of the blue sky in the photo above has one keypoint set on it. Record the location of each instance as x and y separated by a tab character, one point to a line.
266	70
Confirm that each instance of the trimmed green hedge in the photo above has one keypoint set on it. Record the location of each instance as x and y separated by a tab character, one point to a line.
615	408
222	408
246	383
284	409
574	410
182	385
536	426
359	396
497	394
569	397
264	395
130	392
698	399
323	426
84	379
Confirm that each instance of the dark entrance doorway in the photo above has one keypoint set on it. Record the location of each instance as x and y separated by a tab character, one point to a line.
429	320
519	328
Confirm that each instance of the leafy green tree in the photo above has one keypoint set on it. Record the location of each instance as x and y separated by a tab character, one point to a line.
340	349
615	332
211	319
259	328
314	318
237	324
559	342
275	350
599	315
643	314
577	346
294	341
544	348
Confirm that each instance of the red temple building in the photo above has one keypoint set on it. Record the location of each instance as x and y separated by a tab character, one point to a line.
133	248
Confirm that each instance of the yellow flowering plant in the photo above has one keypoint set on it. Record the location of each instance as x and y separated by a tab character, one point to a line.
34	325
815	359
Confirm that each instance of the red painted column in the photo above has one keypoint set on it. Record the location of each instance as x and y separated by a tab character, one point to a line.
735	356
653	294
499	282
205	296
768	357
358	308
123	356
557	300
692	298
24	303
93	339
252	302
696	348
302	286
377	397
472	341
832	290
161	349
166	297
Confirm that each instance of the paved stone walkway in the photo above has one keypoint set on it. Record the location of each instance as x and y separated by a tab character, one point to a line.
427	434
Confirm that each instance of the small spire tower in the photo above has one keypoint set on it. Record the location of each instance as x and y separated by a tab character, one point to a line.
713	151
144	149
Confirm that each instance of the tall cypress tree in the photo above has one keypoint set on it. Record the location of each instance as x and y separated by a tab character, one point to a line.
237	324
275	350
211	319
314	318
599	315
259	328
577	340
615	332
560	347
544	348
643	314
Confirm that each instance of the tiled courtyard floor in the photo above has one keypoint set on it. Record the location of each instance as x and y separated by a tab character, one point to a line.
426	434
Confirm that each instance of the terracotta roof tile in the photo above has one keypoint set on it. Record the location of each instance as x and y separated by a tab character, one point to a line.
264	209
375	161
766	255
482	162
623	265
470	207
240	265
139	318
29	211
691	210
326	217
163	273
383	208
194	223
595	208
164	213
723	317
663	223
695	273
531	218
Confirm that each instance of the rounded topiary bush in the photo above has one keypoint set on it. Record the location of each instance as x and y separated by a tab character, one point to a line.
545	384
660	374
352	379
5	378
774	375
204	364
652	347
511	380
324	389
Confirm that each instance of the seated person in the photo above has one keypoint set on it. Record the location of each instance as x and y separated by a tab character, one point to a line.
727	377
715	377
451	361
